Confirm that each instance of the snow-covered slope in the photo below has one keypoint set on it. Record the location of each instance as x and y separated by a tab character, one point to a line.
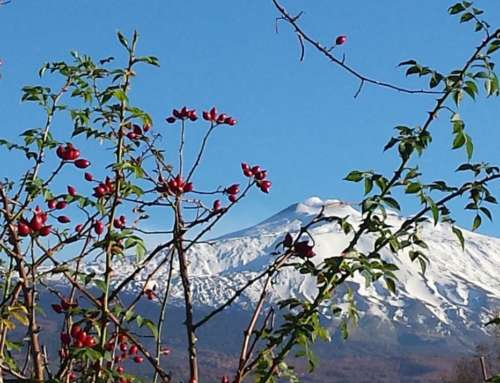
459	291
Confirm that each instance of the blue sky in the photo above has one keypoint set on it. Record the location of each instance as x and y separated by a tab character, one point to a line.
299	120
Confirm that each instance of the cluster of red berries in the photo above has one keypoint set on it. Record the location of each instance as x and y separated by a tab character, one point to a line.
119	223
136	132
182	114
104	188
64	306
79	337
37	224
125	350
70	153
232	192
222	118
174	186
259	175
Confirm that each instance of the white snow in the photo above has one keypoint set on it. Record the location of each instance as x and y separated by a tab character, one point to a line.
459	289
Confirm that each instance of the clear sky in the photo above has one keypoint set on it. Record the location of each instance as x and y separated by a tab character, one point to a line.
299	120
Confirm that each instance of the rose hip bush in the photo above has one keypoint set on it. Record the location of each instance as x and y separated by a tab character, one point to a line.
103	216
51	227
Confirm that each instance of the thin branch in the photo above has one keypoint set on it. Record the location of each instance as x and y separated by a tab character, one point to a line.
303	36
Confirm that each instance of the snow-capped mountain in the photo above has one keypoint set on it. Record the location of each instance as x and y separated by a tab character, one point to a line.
459	291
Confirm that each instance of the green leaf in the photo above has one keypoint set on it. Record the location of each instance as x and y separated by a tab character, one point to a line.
459	140
466	17
391	285
123	40
391	202
413	187
368	185
457	8
152	327
476	223
469	147
458	233
493	46
487	213
354	176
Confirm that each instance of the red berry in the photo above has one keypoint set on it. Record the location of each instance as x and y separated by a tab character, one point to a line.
265	186
188	187
230	121
171	119
72	154
288	241
233	197
82	336
60	152
256	169
57	308
122	338
217	205
36	222
233	189
192	115
224	379
120	370
79	228
110	346
51	204
133	349
89	341
132	136
149	294
71	190
89	177
260	175
222	117
65	338
100	191
117	223
23	229
138	359
340	40
303	249
123	347
98	227
75	330
82	164
61	205
72	376
206	116
63	219
44	231
213	114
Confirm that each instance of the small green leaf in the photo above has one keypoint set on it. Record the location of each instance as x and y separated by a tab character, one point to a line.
476	223
354	176
458	233
413	187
